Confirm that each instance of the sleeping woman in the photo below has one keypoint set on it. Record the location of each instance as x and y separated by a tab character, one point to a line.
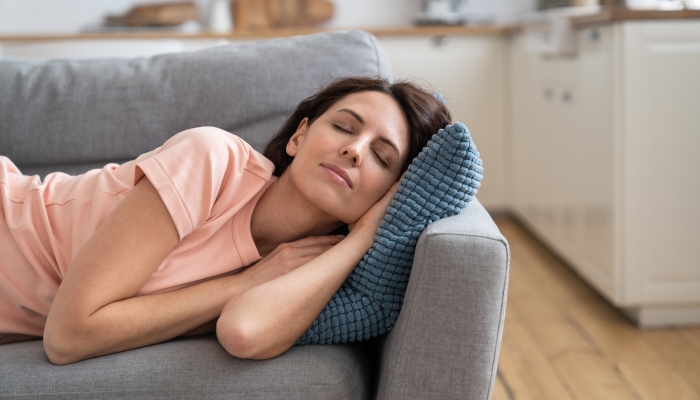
204	234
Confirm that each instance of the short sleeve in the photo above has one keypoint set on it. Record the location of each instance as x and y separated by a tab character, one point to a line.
189	172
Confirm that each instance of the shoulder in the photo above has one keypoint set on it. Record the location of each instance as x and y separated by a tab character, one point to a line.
211	140
224	148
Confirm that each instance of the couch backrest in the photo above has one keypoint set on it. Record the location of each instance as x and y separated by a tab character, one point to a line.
74	115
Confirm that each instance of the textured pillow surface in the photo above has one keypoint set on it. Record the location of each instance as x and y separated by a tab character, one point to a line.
438	184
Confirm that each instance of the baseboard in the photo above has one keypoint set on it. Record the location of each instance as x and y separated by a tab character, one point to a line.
664	316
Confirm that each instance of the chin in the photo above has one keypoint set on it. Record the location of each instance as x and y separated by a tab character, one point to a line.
347	212
326	196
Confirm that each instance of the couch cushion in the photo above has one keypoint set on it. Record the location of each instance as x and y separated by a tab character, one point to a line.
60	112
194	367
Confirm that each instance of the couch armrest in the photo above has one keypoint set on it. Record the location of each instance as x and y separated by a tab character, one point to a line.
446	341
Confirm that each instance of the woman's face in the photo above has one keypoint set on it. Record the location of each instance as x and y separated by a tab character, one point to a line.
365	134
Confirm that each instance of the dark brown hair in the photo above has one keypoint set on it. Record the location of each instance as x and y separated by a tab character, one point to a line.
424	113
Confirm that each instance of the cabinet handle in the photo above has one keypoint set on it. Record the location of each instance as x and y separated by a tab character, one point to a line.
567	96
594	36
442	41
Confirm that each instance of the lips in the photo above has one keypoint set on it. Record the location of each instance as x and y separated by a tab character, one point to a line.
339	171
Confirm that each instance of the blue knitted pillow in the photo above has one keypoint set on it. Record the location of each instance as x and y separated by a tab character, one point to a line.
439	183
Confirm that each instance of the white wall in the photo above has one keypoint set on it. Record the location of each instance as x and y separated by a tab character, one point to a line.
69	16
56	16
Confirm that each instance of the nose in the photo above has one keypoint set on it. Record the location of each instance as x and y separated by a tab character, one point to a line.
353	154
353	151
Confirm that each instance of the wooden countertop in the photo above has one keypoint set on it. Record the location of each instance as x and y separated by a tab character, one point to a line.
607	15
615	14
266	34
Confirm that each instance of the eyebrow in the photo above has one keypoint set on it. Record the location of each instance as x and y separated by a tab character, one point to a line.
382	138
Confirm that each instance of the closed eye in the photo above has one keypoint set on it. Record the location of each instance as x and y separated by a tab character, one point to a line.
375	153
341	129
380	159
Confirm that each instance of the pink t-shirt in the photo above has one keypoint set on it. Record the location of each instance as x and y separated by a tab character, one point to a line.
210	181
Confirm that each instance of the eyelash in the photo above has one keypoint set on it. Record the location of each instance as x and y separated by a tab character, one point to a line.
375	153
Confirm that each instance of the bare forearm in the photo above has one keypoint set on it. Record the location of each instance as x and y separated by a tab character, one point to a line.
275	314
145	320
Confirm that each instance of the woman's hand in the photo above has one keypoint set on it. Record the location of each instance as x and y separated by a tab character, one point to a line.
287	257
369	222
265	321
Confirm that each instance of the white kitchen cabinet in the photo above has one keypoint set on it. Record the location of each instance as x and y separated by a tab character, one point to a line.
661	129
468	71
605	169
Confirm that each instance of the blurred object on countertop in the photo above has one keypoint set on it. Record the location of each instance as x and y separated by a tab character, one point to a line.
220	17
441	12
159	14
251	15
506	12
547	4
189	27
667	5
549	30
662	5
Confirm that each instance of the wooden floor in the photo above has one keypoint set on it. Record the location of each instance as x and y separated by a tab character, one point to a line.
563	341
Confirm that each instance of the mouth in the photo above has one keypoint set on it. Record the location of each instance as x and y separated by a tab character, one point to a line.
338	174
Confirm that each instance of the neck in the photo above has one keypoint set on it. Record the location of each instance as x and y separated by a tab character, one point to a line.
284	215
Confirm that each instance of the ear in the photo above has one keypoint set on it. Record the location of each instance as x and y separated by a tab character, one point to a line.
297	137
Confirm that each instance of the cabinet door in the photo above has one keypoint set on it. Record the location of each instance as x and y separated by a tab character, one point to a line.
662	169
468	72
595	154
527	107
565	165
562	135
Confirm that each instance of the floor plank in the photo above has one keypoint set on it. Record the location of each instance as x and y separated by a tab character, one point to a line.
560	330
583	367
681	353
650	375
500	389
691	337
524	367
546	267
696	331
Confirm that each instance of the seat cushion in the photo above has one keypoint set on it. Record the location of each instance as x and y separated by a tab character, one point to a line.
192	367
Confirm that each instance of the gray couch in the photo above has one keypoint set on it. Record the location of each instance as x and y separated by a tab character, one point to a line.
72	116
